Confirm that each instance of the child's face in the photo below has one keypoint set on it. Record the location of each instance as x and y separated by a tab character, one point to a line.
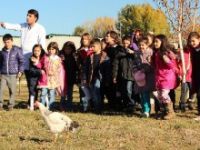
67	50
85	41
137	36
109	39
157	43
194	42
150	40
37	52
143	46
96	47
52	51
8	44
126	43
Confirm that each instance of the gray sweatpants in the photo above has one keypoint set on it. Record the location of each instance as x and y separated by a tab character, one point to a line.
10	81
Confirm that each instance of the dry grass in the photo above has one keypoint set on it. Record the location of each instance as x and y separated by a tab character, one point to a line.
22	129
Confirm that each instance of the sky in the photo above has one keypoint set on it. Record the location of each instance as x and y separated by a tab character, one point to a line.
62	16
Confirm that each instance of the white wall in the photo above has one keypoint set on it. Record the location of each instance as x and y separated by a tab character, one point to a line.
59	39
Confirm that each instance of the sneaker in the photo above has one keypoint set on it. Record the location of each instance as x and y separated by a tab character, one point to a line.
145	115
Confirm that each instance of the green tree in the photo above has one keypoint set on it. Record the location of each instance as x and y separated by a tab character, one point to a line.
143	17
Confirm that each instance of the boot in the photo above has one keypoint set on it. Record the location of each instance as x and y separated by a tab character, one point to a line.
169	111
182	106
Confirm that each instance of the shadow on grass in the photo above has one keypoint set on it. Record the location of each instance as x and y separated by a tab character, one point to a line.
77	108
34	139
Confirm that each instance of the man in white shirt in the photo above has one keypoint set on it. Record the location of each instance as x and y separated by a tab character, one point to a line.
31	33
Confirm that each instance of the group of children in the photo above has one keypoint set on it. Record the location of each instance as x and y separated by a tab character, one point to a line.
137	70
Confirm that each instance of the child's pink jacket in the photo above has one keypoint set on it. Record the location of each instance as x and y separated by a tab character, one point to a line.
165	73
188	65
43	65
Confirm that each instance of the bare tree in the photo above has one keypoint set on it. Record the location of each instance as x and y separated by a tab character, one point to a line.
182	16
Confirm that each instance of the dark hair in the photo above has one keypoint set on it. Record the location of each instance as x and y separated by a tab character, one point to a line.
134	37
53	45
103	40
128	38
192	35
7	37
164	43
70	45
114	35
42	50
95	41
34	12
143	39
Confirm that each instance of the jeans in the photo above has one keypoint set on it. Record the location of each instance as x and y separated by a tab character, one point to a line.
145	102
126	91
66	101
10	81
85	98
47	97
96	95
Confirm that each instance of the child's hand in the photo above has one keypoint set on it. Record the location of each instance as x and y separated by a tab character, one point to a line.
50	73
33	59
42	71
130	51
166	59
149	59
19	75
114	80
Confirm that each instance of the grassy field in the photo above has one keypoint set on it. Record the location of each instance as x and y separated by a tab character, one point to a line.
23	129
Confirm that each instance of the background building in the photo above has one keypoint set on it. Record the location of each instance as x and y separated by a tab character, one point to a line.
59	38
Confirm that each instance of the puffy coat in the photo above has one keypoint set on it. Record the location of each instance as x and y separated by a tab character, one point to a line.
12	61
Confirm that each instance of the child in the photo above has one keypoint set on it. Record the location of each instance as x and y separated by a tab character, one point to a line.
150	37
165	74
137	34
143	68
113	42
194	43
95	75
105	66
42	64
122	73
70	65
11	68
54	68
188	85
34	74
84	53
